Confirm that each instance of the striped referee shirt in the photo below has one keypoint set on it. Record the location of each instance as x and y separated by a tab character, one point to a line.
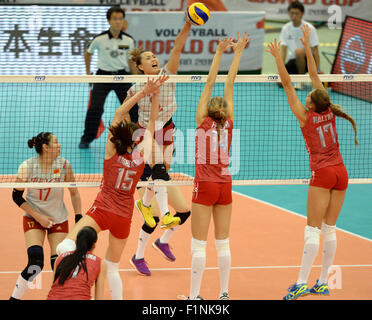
113	53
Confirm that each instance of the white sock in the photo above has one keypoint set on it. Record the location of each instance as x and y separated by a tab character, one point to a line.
312	235
142	243
197	266
224	263
147	196
329	250
20	288
167	235
161	194
114	280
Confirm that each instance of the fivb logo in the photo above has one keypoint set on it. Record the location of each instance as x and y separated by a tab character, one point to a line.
272	78
40	78
196	78
118	78
348	77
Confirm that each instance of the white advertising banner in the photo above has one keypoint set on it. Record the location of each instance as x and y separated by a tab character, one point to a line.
50	40
315	10
157	32
130	5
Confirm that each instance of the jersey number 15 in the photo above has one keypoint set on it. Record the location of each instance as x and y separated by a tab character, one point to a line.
124	181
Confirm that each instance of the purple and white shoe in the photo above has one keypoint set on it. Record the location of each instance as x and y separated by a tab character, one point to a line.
164	249
140	265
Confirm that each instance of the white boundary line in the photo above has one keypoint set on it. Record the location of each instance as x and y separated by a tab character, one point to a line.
297	214
216	268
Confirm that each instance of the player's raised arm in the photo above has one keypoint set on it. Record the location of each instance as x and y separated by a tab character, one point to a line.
311	65
294	103
202	109
174	59
238	47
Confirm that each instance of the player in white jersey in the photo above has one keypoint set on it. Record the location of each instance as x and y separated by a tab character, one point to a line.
148	64
45	211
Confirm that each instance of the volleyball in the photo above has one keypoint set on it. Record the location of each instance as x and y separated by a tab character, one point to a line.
197	14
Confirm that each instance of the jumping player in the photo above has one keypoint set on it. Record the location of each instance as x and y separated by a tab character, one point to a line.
76	272
212	193
122	169
147	63
45	211
329	178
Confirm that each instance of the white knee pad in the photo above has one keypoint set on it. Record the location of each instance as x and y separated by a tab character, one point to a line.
312	235
198	247
328	232
112	267
223	247
65	246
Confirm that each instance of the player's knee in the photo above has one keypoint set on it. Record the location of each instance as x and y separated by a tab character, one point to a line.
312	235
112	267
328	232
183	216
159	171
300	53
35	263
223	247
198	248
148	229
65	246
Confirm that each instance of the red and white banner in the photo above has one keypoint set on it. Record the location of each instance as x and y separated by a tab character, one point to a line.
157	32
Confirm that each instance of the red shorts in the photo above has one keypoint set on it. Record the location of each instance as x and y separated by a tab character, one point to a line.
211	193
117	225
164	136
31	224
333	177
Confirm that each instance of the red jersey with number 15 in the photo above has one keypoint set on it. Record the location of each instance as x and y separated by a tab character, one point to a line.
120	177
212	151
321	139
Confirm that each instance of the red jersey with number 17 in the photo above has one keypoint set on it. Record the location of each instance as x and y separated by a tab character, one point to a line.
212	151
321	139
121	174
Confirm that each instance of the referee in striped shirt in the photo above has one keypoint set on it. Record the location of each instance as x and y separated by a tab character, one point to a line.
113	48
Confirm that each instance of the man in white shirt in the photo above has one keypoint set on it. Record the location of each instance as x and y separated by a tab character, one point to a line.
291	44
113	48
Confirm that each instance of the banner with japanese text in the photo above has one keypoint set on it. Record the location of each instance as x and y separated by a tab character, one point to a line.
52	39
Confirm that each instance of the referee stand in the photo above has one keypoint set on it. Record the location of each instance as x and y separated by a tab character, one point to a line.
113	48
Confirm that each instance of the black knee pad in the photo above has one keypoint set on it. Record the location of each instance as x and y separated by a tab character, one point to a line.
183	216
159	171
35	263
148	229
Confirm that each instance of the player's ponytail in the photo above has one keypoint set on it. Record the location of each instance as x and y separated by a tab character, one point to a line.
217	111
337	111
38	141
122	136
86	238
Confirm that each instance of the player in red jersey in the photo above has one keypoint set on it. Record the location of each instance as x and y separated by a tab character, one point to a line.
329	177
123	167
76	272
212	193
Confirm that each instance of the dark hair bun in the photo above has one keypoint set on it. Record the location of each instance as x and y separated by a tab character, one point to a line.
31	142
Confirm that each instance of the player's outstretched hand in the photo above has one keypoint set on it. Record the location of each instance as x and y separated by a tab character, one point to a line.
224	44
242	42
274	48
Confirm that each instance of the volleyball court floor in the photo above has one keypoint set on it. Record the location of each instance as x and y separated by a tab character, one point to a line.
266	246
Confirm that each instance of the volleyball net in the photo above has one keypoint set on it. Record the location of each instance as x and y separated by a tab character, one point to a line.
267	145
